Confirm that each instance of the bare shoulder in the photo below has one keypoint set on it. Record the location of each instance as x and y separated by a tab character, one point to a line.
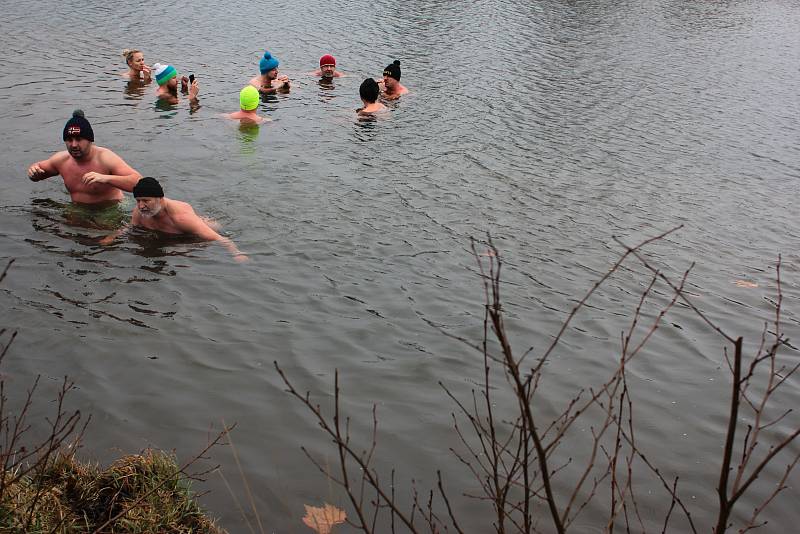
59	158
179	209
105	153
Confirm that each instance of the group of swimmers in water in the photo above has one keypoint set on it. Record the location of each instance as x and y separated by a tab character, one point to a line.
268	81
96	176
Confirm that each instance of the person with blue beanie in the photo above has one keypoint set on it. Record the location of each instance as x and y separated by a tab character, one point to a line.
268	81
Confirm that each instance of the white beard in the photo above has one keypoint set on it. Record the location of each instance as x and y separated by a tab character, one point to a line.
151	213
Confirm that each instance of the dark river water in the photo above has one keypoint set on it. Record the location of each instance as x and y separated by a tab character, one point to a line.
551	125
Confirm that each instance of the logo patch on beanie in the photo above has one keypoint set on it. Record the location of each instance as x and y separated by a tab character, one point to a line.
74	130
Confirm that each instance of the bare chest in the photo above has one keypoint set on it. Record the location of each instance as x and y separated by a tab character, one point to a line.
73	171
165	224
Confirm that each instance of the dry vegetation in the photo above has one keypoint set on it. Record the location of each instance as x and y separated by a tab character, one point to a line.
45	489
528	482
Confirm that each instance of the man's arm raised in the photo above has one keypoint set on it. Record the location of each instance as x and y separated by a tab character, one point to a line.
45	168
121	175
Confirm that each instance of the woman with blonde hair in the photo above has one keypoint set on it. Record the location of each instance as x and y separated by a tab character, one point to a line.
137	70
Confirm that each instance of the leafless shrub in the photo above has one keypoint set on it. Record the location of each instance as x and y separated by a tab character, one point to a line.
513	456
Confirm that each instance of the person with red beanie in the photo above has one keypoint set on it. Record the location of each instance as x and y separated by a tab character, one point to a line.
327	68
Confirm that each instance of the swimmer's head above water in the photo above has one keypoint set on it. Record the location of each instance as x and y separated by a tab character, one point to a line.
249	98
392	70
164	73
369	91
134	58
267	63
327	66
78	126
78	135
148	194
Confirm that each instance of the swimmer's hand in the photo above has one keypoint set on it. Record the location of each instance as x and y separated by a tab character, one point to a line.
241	258
36	173
107	240
146	72
110	238
193	90
184	83
94	178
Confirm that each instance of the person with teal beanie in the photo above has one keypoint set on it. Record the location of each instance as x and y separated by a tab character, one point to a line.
167	79
268	81
248	104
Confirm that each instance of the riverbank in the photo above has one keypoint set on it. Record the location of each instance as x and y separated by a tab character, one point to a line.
137	493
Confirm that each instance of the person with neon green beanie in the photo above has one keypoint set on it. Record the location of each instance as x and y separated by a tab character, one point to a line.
249	98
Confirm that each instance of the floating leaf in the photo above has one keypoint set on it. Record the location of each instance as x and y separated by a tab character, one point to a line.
322	520
745	283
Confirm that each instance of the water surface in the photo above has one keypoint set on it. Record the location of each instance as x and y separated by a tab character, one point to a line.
551	125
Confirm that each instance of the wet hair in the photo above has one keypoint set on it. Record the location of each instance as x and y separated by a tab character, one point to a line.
128	54
369	90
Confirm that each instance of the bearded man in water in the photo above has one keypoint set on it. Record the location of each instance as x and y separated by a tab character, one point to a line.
92	174
154	211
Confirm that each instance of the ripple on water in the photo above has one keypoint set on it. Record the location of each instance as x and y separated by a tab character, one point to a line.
552	126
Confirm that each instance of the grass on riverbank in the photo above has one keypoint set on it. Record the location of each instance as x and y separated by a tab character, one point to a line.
67	496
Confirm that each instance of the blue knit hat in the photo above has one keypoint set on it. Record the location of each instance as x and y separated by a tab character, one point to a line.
267	63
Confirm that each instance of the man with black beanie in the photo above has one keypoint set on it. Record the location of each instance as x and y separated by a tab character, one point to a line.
92	174
154	211
392	88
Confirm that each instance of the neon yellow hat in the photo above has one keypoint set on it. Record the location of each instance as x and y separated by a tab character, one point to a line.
248	98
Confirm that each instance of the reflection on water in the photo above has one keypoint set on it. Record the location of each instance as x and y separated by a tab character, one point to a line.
365	120
105	216
153	244
135	89
166	105
326	84
248	134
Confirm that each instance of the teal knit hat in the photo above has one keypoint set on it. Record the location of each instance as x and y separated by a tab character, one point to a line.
267	63
164	73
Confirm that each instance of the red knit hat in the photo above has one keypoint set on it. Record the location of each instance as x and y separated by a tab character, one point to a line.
327	59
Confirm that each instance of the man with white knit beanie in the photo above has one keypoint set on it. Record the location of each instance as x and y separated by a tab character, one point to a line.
167	79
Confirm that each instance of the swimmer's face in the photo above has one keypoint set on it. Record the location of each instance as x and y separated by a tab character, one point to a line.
272	74
77	147
327	71
148	206
389	82
136	61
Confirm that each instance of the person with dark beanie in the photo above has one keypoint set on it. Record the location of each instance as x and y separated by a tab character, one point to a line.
92	174
369	92
392	89
154	211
